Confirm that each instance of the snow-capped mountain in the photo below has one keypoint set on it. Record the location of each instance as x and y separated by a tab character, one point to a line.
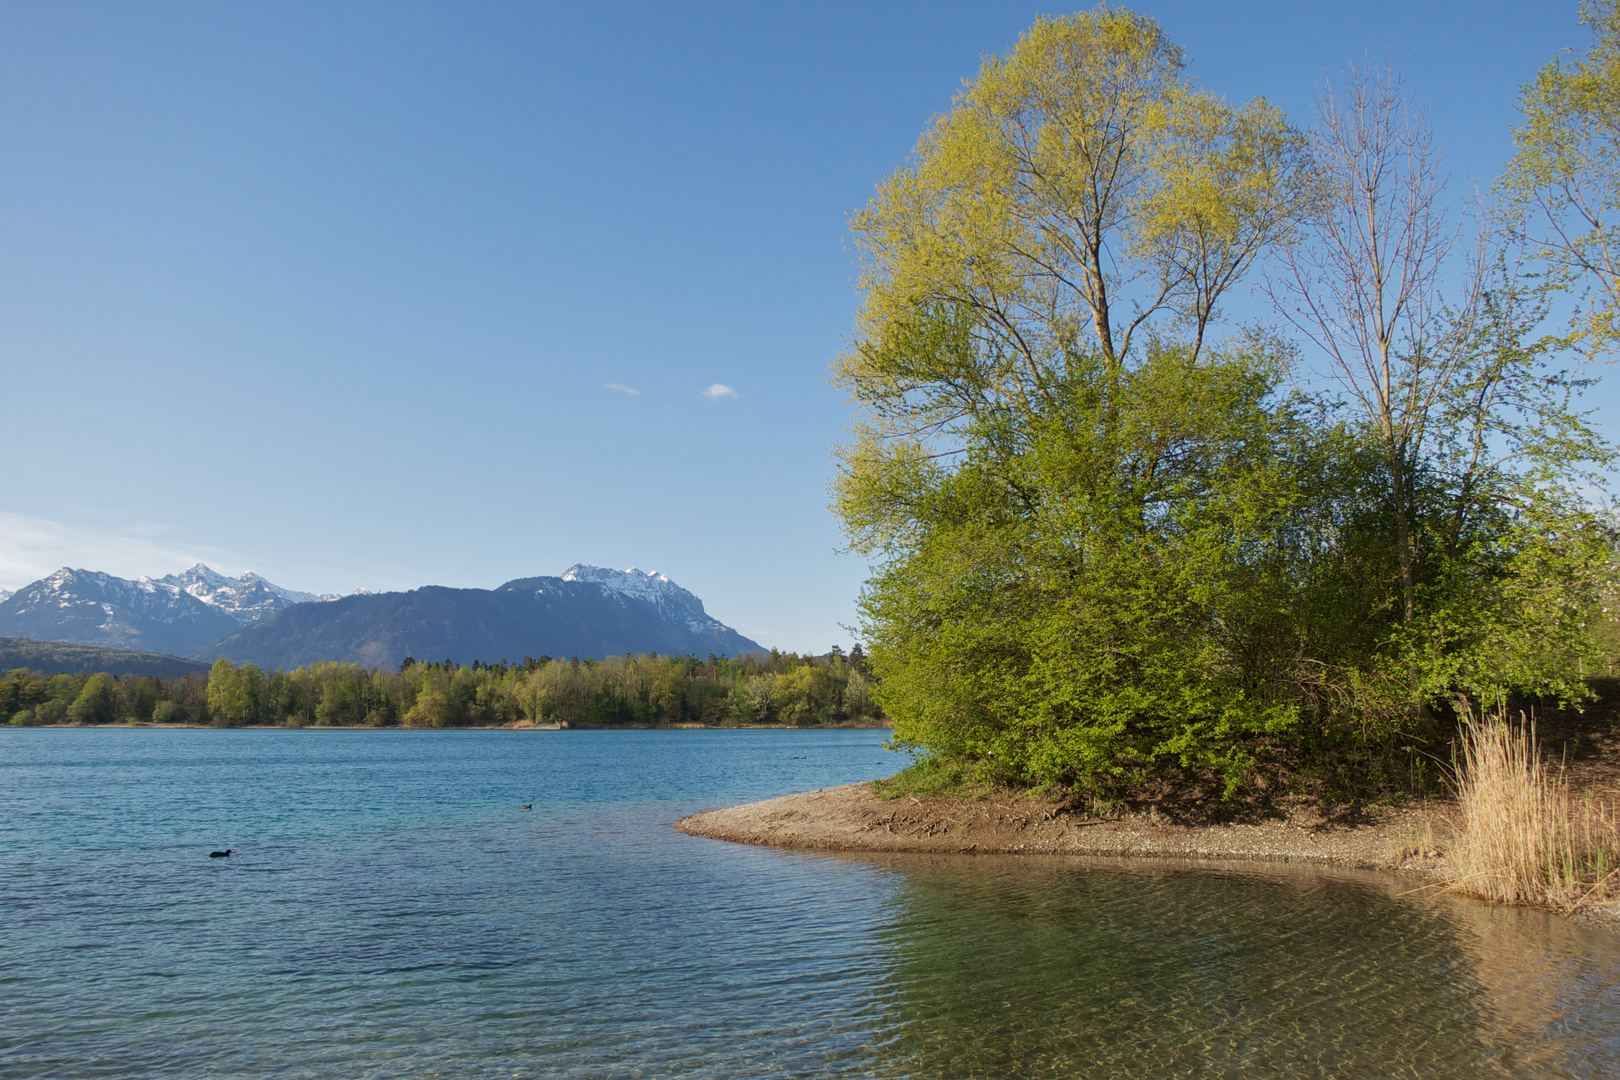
247	599
586	611
91	608
5	594
654	589
178	613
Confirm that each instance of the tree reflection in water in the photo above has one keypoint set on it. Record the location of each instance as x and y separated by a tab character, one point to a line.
1053	967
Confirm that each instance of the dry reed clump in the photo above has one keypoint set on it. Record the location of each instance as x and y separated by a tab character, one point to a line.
1525	839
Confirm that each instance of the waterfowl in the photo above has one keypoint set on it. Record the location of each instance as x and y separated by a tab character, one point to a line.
219	854
527	806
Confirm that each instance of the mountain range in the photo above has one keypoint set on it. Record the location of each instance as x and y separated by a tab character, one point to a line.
586	611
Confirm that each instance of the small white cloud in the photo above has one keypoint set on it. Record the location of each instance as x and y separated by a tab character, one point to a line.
623	389
718	391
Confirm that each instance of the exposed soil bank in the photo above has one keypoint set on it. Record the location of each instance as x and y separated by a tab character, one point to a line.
1410	839
856	818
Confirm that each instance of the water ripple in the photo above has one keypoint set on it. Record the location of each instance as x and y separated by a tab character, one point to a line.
390	913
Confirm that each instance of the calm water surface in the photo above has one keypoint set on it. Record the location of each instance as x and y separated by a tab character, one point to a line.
390	912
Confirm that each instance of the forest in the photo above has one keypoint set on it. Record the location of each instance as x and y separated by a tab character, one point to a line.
643	690
1122	540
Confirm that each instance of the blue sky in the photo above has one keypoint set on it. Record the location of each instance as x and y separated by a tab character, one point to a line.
404	294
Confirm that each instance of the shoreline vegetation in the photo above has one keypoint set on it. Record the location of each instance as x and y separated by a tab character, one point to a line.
1129	559
647	690
1516	828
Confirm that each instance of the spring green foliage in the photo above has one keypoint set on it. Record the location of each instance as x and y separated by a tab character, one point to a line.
97	702
781	689
1563	182
1106	547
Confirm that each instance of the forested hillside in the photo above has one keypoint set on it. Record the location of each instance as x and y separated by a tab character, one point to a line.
59	657
560	616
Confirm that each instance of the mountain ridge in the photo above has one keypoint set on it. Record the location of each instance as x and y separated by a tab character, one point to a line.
88	607
552	616
247	598
587	611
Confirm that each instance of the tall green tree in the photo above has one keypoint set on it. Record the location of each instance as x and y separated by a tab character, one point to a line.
235	694
1069	492
97	703
1563	182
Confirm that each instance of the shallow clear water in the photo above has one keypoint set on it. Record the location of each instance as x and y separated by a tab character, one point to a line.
390	912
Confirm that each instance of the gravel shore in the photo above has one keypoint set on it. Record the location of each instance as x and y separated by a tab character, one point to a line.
856	818
1410	840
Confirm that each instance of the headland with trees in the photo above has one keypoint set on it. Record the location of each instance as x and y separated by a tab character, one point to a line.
1126	551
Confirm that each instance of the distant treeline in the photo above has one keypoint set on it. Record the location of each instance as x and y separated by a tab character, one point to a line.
784	688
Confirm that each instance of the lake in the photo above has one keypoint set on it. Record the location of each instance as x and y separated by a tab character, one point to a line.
390	911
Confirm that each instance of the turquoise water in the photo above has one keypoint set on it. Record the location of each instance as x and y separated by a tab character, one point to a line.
391	912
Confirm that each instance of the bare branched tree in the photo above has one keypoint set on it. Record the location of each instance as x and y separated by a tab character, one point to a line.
1368	285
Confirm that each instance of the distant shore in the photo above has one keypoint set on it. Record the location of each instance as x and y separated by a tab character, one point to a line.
519	726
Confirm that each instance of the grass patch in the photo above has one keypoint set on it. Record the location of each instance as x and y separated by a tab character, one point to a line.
1525	838
934	775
